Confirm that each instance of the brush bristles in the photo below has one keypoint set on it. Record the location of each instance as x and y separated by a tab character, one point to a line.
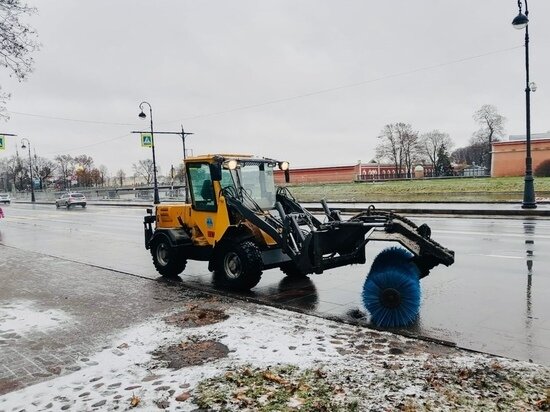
392	269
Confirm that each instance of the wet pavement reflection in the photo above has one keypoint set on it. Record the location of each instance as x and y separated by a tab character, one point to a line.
493	299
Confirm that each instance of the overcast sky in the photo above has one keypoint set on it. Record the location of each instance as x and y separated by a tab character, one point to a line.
270	77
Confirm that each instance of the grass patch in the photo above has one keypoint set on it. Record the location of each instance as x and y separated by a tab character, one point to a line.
429	190
285	388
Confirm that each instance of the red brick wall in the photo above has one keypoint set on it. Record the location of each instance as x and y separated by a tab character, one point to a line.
318	175
509	157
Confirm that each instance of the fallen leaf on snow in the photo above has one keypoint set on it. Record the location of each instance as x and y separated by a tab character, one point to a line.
274	378
135	401
182	397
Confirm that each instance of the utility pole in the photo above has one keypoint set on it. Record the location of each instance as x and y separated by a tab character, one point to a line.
183	135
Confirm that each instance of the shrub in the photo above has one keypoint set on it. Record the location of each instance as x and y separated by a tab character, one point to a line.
543	170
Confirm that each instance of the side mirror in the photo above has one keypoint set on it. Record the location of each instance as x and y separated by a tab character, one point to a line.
216	171
287	176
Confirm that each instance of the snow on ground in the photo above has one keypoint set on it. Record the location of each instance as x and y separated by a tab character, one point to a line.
22	317
379	369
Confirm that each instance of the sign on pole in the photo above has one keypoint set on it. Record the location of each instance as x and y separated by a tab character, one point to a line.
146	140
2	142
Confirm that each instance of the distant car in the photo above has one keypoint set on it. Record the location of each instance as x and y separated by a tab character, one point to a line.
5	198
71	199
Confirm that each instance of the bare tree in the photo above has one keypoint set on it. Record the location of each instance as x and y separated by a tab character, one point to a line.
432	144
144	168
104	174
491	128
16	171
44	169
399	144
17	42
120	175
66	168
473	154
180	173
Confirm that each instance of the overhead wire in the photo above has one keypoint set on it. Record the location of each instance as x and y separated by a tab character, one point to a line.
270	102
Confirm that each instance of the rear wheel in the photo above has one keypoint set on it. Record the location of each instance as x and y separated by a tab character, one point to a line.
238	266
167	260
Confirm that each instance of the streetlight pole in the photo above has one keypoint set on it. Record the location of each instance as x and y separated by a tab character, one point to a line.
522	21
23	140
142	115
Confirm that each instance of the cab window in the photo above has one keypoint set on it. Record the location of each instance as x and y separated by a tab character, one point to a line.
202	189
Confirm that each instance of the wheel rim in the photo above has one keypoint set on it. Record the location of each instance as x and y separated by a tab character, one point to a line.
232	265
162	254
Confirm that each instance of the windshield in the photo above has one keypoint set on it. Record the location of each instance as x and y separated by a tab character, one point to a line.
257	182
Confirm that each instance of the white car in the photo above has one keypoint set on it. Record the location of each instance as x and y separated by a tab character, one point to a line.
71	199
5	198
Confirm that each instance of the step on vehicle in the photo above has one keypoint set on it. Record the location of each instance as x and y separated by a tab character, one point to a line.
71	199
241	224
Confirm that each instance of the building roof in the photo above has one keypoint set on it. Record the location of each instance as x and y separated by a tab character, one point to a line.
521	142
534	136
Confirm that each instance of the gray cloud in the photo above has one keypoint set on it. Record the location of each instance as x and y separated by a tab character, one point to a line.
192	59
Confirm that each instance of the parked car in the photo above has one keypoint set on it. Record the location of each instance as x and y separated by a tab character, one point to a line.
5	198
71	199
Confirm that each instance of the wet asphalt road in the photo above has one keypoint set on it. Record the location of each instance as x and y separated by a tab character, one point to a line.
495	298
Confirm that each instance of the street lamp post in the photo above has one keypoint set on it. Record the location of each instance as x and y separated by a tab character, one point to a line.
521	21
142	115
23	146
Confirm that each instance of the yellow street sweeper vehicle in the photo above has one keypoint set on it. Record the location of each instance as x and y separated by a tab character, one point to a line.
239	222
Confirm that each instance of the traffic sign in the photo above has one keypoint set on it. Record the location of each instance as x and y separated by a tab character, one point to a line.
2	142
146	140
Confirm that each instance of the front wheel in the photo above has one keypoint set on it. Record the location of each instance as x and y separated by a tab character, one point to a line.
238	266
167	260
291	271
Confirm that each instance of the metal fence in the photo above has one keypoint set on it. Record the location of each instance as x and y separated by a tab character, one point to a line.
136	194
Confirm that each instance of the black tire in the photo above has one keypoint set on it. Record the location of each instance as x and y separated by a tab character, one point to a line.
168	260
291	271
84	205
238	266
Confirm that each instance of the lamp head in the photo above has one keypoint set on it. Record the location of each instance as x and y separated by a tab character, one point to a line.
520	21
142	115
284	165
